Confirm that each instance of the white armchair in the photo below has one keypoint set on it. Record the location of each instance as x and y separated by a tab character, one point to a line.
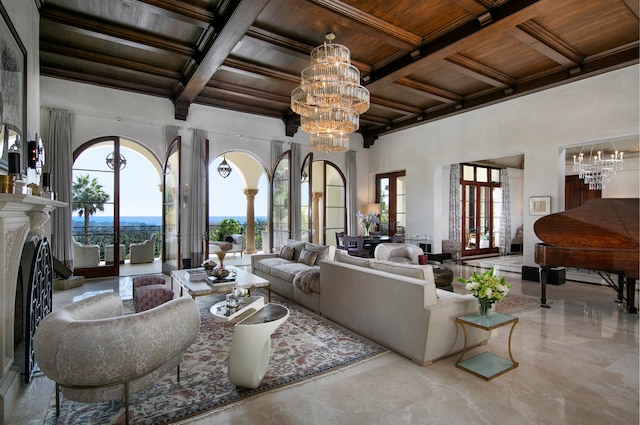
95	353
143	252
398	252
85	255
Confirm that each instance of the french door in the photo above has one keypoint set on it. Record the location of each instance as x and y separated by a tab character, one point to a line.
391	194
481	197
171	235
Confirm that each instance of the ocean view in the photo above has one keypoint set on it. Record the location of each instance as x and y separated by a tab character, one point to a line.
148	220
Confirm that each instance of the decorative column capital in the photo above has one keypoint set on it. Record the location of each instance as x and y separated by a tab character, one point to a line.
316	195
250	193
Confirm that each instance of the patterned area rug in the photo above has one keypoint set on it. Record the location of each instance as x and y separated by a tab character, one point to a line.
510	304
304	346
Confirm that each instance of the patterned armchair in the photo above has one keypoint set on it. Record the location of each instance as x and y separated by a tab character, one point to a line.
94	353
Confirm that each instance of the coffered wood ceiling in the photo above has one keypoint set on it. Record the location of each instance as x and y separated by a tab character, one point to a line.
421	60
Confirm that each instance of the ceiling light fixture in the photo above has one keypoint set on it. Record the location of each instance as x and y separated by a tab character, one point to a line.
224	169
330	98
111	159
599	170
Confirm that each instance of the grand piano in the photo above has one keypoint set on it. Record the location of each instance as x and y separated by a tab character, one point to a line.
602	235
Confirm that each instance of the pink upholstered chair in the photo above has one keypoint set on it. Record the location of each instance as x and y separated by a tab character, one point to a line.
149	292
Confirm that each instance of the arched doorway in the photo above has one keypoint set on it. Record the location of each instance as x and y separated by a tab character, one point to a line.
240	196
114	207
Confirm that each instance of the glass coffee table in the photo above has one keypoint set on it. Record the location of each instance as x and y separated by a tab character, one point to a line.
203	286
487	365
245	306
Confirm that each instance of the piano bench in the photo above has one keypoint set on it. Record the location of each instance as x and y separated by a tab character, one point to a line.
557	275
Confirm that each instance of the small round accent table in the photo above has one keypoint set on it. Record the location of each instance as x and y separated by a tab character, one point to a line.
443	276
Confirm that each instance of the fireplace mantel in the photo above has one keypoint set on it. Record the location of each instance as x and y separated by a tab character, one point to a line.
21	217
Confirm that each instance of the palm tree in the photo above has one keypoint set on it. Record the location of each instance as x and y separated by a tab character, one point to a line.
88	198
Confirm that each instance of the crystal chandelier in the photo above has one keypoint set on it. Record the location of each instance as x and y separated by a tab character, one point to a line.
330	98
599	170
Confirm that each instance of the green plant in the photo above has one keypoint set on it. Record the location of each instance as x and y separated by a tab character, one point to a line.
227	227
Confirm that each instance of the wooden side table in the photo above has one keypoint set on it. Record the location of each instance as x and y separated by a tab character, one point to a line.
487	365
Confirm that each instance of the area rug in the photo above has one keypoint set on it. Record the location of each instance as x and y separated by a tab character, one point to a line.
305	346
512	303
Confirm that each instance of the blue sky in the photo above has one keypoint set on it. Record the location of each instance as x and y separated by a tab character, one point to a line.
140	194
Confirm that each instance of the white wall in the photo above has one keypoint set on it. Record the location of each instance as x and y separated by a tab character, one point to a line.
537	125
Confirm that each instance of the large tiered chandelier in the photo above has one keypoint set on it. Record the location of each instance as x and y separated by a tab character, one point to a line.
598	169
330	98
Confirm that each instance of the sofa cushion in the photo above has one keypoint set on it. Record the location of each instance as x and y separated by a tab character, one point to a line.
288	270
341	257
322	250
266	264
308	257
286	252
297	246
409	270
229	239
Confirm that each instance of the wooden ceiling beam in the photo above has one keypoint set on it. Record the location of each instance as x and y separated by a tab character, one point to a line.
479	71
233	30
245	92
468	35
235	106
381	26
176	9
541	40
293	47
104	82
246	68
429	91
117	34
396	107
57	49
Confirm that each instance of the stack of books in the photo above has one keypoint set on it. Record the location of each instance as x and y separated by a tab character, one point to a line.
197	274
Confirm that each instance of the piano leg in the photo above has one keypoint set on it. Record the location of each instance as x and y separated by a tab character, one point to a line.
631	296
544	274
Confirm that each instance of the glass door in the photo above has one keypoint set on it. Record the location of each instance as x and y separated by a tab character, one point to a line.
95	224
171	256
335	201
391	194
280	205
481	199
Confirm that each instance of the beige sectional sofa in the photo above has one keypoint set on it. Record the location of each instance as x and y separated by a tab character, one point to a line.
288	275
396	305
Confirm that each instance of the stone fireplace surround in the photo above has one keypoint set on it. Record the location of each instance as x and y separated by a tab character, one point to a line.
22	218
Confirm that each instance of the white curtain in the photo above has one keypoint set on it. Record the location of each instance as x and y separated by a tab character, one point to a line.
455	204
296	192
197	197
59	154
277	147
505	217
352	194
170	134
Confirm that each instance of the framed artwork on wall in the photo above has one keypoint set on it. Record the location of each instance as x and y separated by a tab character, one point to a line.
13	83
540	205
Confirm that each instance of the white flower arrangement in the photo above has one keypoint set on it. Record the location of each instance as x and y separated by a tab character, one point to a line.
367	220
486	286
240	292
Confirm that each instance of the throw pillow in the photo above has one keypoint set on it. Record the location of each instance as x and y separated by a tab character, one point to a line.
298	246
323	251
307	257
286	252
229	239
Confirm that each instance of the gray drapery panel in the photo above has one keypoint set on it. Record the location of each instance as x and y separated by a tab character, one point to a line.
197	198
296	192
170	134
352	193
59	154
277	147
505	217
455	204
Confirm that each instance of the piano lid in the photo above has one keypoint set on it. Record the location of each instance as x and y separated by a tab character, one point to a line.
601	224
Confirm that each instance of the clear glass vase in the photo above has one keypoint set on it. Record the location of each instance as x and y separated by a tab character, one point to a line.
485	306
